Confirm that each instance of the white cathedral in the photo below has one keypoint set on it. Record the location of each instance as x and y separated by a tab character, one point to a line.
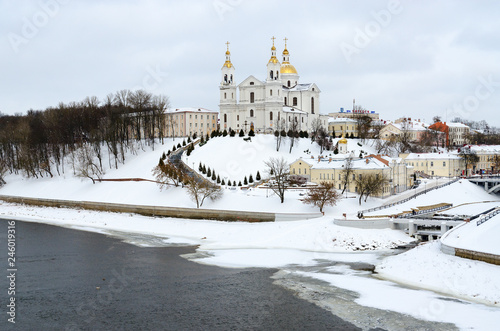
265	105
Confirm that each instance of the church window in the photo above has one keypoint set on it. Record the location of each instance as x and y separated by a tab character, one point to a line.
289	118
237	117
225	95
271	116
225	78
252	97
251	83
279	116
288	84
277	75
285	101
231	80
251	112
225	118
271	92
283	59
313	87
271	74
302	119
312	105
232	95
295	101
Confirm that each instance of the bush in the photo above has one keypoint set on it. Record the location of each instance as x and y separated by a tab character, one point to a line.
218	179
250	179
245	181
251	133
213	176
224	133
232	133
204	170
242	134
223	182
258	176
239	183
179	145
184	142
194	136
209	172
234	183
200	168
228	183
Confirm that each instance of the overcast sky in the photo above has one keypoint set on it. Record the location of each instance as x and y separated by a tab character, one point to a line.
410	58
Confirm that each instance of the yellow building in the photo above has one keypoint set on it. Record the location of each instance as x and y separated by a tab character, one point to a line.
489	156
399	175
342	126
435	164
182	122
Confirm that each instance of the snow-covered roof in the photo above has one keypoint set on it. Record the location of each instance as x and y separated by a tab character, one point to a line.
457	125
493	149
428	156
299	87
341	120
287	109
190	109
368	163
411	126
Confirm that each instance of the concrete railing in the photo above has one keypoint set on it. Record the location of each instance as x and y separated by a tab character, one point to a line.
189	213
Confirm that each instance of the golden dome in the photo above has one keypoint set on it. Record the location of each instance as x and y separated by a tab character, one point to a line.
285	51
273	48
273	59
343	140
227	64
227	52
287	68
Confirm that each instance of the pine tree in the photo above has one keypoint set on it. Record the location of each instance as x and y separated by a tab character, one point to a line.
228	183
245	181
242	134
224	133
202	140
173	148
213	176
200	168
239	183
218	179
189	139
209	172
163	156
168	153
234	183
258	176
271	172
179	145
207	138
184	142
251	133
223	182
232	133
194	136
204	171
250	179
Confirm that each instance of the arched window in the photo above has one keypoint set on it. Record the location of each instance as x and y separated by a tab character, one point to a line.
271	116
271	74
251	83
271	92
295	101
277	74
225	95
312	105
288	84
225	78
252	97
225	118
231	80
251	112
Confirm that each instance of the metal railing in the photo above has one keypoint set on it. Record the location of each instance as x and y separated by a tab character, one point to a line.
485	217
424	211
409	198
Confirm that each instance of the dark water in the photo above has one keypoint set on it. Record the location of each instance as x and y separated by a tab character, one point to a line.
75	280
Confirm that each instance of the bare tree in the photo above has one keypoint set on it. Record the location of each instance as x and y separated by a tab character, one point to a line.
370	184
199	190
323	140
293	133
316	127
495	160
322	195
470	158
364	124
168	174
3	170
278	169
347	173
86	167
279	127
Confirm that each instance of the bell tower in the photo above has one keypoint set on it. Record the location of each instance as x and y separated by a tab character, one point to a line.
227	84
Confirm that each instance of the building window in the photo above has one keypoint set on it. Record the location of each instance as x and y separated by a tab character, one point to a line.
195	116
201	117
271	116
251	83
353	177
302	119
225	118
288	84
295	101
285	101
251	112
312	105
237	117
432	163
271	92
252	97
444	163
360	176
225	95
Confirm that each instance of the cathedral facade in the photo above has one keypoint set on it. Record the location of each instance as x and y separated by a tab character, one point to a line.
278	102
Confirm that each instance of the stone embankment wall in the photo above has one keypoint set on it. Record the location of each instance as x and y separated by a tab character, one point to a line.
190	213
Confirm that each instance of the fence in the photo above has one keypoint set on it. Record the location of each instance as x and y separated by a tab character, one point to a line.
409	198
487	216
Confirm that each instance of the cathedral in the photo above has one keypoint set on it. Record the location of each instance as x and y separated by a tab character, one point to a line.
278	102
